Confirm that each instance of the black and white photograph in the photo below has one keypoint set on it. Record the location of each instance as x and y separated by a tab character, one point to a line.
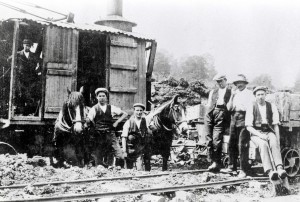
150	101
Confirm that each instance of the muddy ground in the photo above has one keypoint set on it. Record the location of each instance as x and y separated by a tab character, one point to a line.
18	169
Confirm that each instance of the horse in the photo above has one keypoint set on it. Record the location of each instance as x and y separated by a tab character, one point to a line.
69	140
164	121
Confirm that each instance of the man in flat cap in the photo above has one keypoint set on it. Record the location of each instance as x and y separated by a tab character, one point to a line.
135	132
28	84
215	121
239	138
262	120
101	118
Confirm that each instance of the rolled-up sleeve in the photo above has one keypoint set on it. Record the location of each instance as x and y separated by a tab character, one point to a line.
249	116
92	114
275	115
125	129
115	110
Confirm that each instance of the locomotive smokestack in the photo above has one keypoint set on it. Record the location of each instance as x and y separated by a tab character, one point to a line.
115	18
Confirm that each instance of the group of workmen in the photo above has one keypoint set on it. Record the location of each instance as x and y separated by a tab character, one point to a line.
135	130
250	118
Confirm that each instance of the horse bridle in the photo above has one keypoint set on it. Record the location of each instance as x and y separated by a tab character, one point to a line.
157	122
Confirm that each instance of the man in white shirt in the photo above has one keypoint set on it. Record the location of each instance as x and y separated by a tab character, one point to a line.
260	117
101	118
239	137
135	131
215	121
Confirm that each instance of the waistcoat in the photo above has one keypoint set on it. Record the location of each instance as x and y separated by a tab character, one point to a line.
257	120
134	130
103	120
215	97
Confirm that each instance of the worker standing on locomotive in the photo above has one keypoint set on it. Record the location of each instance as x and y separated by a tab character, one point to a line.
239	137
215	121
260	117
101	118
134	135
28	87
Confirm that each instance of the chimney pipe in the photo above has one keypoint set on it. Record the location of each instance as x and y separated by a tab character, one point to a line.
115	7
115	17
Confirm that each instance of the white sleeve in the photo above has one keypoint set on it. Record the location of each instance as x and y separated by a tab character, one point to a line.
249	116
275	115
209	98
125	129
115	110
92	114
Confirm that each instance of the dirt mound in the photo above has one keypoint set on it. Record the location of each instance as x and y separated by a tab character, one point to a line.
194	92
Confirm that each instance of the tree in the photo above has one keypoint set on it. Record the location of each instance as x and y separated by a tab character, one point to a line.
162	64
198	67
297	83
263	80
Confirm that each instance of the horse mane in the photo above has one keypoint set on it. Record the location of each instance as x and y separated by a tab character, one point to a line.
75	99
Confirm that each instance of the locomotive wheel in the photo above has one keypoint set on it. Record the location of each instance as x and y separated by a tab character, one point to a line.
291	162
225	161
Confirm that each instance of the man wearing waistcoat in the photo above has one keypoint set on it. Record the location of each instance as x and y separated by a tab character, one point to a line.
215	121
239	138
135	131
101	117
262	120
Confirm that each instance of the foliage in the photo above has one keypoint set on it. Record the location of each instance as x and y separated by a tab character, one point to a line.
297	83
198	67
262	80
162	64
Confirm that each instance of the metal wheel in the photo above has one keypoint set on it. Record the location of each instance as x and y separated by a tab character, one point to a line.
7	148
225	161
291	162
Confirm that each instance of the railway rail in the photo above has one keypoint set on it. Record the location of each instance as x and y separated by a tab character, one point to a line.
132	191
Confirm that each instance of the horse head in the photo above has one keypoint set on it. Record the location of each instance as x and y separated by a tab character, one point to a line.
169	115
75	110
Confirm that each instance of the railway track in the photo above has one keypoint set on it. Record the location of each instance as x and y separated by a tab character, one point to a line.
96	195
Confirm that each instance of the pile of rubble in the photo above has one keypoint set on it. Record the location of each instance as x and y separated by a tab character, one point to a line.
194	92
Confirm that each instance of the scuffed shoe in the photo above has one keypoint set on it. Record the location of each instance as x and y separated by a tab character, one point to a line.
242	174
273	175
282	173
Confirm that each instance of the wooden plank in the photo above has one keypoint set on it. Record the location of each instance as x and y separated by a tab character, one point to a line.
12	72
123	44
123	90
53	109
59	72
56	65
74	59
151	58
123	67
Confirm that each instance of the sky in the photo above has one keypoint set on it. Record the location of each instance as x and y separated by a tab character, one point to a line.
250	37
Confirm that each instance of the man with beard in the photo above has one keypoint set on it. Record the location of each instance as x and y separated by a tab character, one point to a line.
101	117
215	121
239	137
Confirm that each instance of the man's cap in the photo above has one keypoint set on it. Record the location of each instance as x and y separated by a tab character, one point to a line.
263	88
240	78
219	77
139	105
27	41
98	90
